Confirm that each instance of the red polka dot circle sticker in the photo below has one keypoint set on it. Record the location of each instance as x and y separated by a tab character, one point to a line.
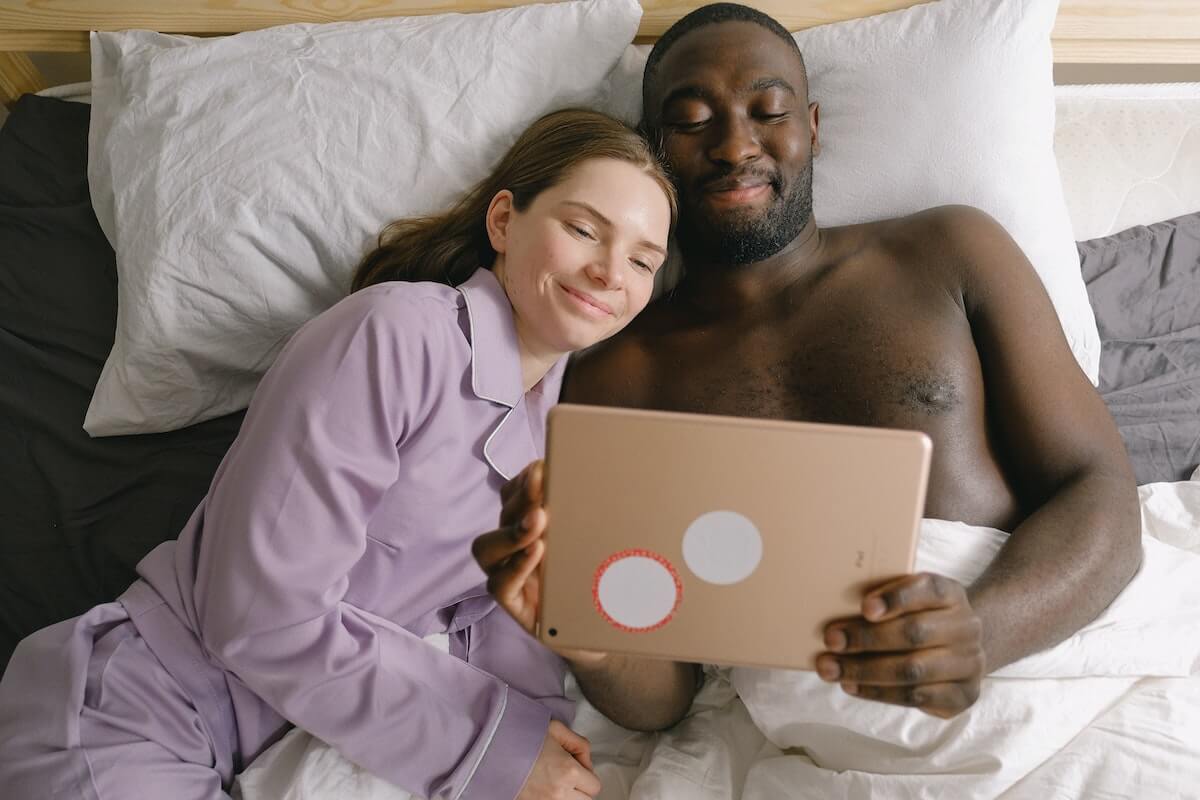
637	591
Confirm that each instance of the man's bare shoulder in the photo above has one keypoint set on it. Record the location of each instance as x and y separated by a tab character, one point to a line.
959	227
611	373
620	371
944	243
957	232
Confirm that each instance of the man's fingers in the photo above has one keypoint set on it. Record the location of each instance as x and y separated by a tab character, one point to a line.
910	593
493	548
522	493
506	583
938	699
911	632
932	666
517	484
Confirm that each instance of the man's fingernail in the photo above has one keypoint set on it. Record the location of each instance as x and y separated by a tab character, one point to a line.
835	639
874	607
849	687
527	520
828	669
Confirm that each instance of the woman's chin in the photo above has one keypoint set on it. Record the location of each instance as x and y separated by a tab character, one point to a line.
581	337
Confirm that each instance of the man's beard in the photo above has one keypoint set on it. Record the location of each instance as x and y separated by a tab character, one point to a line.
735	239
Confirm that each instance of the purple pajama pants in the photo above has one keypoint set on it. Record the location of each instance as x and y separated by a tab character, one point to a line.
89	711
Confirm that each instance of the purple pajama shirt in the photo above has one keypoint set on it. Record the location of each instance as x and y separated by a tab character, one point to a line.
335	536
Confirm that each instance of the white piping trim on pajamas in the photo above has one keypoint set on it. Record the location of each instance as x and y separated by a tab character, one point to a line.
486	745
474	379
488	443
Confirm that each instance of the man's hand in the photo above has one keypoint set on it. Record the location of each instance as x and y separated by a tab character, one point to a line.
511	554
563	769
918	643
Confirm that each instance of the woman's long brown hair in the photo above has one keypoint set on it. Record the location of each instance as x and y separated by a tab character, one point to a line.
449	247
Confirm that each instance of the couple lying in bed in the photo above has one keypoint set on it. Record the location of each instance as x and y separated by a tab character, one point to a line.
339	530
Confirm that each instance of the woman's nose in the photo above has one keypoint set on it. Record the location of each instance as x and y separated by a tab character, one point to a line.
607	271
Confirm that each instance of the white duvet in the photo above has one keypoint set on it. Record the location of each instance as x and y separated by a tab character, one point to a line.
1113	712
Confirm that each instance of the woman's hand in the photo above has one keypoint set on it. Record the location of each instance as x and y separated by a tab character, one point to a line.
563	769
510	555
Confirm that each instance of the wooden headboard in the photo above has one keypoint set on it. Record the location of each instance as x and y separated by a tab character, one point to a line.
1087	31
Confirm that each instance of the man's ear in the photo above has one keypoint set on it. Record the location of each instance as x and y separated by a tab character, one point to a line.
497	219
814	123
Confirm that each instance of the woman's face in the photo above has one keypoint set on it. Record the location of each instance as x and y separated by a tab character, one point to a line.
578	264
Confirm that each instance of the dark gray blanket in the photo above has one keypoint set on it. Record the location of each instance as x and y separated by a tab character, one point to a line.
1144	284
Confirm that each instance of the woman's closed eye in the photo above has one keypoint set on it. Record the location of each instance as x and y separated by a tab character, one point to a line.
582	231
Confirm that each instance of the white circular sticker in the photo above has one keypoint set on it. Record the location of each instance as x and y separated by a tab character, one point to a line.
637	590
722	547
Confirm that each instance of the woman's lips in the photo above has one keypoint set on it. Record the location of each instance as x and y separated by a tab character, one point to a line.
588	304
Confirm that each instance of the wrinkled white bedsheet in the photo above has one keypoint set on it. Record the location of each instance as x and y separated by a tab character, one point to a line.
1113	712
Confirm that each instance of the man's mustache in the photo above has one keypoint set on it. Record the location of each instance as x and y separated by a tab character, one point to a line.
729	179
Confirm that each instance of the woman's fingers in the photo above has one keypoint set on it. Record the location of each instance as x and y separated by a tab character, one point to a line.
572	742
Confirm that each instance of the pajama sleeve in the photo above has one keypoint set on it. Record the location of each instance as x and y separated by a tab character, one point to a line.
284	523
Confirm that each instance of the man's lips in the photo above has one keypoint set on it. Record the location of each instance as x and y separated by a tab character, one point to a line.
598	307
735	191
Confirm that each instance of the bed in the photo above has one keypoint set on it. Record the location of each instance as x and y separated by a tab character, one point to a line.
80	510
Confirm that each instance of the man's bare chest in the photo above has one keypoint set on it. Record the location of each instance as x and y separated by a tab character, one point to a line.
893	372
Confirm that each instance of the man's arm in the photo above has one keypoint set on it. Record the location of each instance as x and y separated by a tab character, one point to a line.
642	694
1081	544
927	641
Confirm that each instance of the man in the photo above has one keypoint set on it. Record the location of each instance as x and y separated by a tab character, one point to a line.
934	322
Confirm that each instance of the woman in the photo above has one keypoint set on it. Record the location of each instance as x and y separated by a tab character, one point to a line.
337	531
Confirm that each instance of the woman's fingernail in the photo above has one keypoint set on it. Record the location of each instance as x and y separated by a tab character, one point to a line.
835	639
849	687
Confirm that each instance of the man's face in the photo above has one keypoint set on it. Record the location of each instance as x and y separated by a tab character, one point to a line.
731	103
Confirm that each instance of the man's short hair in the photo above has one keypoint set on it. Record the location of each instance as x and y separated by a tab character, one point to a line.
711	15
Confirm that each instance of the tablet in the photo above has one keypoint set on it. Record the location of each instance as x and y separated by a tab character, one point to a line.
716	539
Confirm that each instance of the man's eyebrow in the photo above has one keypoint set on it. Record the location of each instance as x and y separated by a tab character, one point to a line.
692	92
608	223
763	84
688	92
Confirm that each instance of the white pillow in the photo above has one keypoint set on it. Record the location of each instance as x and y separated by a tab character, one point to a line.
1129	154
241	179
947	102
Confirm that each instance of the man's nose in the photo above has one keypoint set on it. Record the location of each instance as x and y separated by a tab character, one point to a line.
735	141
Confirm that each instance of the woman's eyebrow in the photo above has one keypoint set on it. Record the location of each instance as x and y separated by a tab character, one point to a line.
590	209
608	223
